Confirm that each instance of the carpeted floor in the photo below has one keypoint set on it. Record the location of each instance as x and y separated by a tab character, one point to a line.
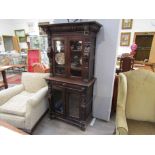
14	79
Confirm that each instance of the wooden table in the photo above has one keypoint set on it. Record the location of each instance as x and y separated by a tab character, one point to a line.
6	128
3	72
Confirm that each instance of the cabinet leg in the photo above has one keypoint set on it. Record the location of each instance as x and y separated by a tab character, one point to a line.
52	116
83	127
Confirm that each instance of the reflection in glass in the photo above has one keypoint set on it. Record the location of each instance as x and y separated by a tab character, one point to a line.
76	57
58	101
74	101
59	46
59	57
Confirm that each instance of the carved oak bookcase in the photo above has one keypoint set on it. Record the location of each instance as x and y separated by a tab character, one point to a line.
71	55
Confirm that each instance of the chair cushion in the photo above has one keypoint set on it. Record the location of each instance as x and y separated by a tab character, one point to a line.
140	127
140	104
34	81
17	104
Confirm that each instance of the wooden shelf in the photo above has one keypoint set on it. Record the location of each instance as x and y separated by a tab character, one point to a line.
76	50
76	68
60	66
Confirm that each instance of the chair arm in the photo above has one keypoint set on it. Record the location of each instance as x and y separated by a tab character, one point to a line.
6	94
121	124
38	96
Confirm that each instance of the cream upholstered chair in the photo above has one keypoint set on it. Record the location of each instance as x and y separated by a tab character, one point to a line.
135	112
24	104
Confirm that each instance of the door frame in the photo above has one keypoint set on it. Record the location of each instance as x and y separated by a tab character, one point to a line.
152	51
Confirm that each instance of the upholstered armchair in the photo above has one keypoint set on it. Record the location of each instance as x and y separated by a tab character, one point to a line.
24	104
135	113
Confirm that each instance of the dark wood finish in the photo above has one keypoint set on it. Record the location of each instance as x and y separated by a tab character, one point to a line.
115	93
71	79
126	64
144	42
3	72
82	93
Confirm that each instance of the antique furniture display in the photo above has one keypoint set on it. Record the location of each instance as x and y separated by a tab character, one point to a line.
23	105
16	60
71	54
135	112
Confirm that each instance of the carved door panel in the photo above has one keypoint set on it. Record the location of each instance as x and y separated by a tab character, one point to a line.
58	100
75	63
59	56
73	100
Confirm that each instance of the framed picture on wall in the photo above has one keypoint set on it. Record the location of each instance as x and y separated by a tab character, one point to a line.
22	39
127	23
125	39
20	33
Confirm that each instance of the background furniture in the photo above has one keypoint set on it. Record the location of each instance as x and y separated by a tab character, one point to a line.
71	55
144	41
40	68
126	64
14	59
3	72
23	105
33	56
18	64
135	103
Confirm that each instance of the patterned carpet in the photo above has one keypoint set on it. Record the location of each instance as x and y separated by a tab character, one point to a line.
14	79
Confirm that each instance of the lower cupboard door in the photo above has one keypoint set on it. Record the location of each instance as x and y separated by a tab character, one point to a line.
73	106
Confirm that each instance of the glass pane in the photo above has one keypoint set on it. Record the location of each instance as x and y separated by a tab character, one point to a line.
74	101
58	101
59	57
76	57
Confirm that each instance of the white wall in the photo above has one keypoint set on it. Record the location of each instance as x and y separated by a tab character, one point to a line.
139	25
106	47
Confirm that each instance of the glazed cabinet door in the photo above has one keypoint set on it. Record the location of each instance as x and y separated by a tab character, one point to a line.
59	56
76	50
58	100
73	100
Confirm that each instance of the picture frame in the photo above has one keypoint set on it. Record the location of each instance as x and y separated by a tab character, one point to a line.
22	39
127	23
20	33
125	39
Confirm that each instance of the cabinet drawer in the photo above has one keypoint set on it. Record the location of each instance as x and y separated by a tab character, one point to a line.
69	86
